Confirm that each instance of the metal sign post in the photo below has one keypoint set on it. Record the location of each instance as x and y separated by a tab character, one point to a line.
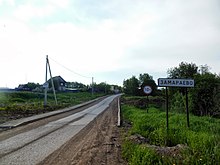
185	83
187	108
147	90
167	115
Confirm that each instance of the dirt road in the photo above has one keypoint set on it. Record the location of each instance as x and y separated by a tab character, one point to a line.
78	138
98	143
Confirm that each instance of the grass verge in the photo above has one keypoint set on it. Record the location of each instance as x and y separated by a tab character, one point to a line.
199	144
14	105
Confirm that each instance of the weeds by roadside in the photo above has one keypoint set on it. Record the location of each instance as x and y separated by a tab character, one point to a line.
14	105
199	144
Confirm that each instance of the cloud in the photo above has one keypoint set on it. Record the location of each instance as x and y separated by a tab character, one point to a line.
7	2
113	38
60	4
180	32
28	12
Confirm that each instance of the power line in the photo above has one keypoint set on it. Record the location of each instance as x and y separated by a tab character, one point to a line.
70	69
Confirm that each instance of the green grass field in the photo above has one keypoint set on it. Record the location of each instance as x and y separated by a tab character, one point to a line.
15	105
201	141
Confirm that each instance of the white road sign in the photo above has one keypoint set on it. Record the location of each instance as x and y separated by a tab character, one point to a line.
147	90
166	82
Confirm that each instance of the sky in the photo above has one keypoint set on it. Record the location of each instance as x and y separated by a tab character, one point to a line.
108	40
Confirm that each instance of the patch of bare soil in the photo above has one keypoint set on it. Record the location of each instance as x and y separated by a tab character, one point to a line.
174	151
98	143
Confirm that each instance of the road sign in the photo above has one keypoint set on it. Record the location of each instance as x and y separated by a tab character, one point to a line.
147	89
166	82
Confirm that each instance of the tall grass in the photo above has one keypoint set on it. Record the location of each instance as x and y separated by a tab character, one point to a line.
202	139
7	99
15	105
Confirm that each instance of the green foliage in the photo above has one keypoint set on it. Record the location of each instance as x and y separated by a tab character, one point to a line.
76	85
19	100
144	78
178	103
131	86
134	86
147	80
204	98
184	70
142	101
138	155
202	139
32	86
19	104
102	88
206	94
24	95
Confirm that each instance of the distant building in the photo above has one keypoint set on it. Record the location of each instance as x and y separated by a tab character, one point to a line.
23	87
59	83
115	89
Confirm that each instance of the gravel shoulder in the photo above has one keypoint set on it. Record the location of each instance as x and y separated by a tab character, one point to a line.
98	143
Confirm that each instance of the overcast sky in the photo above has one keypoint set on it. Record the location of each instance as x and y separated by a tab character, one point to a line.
110	40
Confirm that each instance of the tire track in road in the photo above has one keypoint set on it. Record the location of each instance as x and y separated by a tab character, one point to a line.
97	143
33	146
21	140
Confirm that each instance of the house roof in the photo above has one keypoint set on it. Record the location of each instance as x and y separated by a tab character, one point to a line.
58	78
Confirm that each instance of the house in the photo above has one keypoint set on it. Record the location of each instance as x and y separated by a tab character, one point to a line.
59	83
23	87
115	89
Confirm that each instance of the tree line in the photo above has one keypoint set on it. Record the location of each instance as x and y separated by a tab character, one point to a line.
80	87
204	98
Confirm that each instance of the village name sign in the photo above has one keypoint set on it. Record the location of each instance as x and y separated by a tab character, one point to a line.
166	82
185	83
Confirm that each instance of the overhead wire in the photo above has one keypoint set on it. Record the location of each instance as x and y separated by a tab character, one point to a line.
70	70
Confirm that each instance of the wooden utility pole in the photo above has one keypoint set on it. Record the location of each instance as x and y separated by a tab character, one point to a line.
92	86
51	78
45	86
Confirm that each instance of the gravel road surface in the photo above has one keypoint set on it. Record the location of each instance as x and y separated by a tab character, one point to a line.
45	144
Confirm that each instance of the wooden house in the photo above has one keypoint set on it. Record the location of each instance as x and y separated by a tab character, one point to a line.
59	83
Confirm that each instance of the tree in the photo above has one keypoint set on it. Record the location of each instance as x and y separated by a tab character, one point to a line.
32	86
131	86
76	85
184	70
204	97
134	86
204	69
102	87
147	80
144	78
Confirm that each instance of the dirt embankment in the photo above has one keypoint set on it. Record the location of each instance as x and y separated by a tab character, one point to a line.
97	143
